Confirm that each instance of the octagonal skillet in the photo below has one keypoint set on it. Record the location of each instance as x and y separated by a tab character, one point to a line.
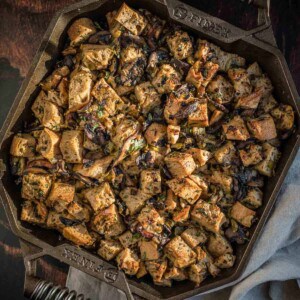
257	44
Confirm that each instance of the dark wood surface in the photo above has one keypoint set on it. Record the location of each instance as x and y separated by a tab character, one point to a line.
22	25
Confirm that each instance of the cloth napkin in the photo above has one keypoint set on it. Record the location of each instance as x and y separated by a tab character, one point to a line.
274	259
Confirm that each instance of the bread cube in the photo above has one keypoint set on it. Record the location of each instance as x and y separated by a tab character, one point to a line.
250	101
202	50
109	249
218	245
173	106
241	83
150	182
61	194
180	164
128	261
180	45
156	269
166	79
171	201
182	215
48	144
242	214
194	236
36	186
54	221
251	155
267	104
225	261
264	84
81	30
180	253
199	117
134	199
236	129
176	274
197	273
200	181
107	97
52	81
34	212
100	196
131	19
150	220
199	155
253	198
17	165
263	128
208	215
79	211
156	134
89	145
147	97
128	239
225	154
283	116
149	250
185	188
271	156
79	235
216	116
224	180
142	271
173	132
23	145
221	89
108	222
60	96
80	89
71	146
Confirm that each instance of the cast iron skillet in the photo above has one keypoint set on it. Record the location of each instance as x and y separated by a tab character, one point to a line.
257	44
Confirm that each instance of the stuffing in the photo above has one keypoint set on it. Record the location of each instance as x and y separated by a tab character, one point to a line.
236	129
23	145
263	128
150	220
34	212
128	261
225	261
200	156
225	154
109	249
71	146
79	235
150	182
81	30
36	186
180	45
283	116
251	155
218	245
253	199
156	134
149	250
173	132
199	117
194	236
242	214
221	89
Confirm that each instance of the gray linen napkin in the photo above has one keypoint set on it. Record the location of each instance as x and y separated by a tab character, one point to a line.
275	258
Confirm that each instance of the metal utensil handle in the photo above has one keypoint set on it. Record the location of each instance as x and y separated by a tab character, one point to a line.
215	27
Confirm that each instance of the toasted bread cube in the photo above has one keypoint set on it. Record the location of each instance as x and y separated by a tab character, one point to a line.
109	222
71	146
36	186
173	132
225	154
225	261
166	79
224	180
100	196
218	245
208	215
131	19
253	198
216	116
263	128
96	169
171	201
53	80
156	134
221	89
251	155
283	116
200	181
17	165
241	82
180	164
47	112
267	104
109	249
199	155
176	274
150	220
79	211
48	144
242	214
150	182
156	269
128	239
79	235
163	282
250	101
194	236
134	199
197	273
128	261
54	221
180	253
149	250
202	256
60	96
202	51
23	145
60	196
147	97
185	188
180	45
89	145
271	156
81	30
200	116
254	70
172	107
264	84
182	215
236	129
211	267
107	97
34	212
142	270
80	89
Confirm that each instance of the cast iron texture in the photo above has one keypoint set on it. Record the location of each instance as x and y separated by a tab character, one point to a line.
255	45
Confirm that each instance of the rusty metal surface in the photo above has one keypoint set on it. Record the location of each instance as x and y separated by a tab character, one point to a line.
256	44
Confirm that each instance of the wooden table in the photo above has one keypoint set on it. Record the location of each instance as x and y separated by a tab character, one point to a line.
22	25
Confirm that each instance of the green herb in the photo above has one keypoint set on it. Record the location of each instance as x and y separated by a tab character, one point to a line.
100	111
136	236
107	74
98	26
136	145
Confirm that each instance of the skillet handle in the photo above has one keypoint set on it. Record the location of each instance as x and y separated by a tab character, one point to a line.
215	27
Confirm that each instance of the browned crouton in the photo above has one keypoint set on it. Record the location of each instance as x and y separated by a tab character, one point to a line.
283	116
176	274
225	154
171	201
128	261
71	146
79	235
36	186
23	145
221	89
173	134
182	215
150	182
222	179
194	236
218	245
251	155
236	129
197	273
156	134
263	128
253	198
109	249
156	269
242	214
80	30
250	101
149	250
199	117
216	116
180	45
34	212
241	82
225	261
128	239
150	220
